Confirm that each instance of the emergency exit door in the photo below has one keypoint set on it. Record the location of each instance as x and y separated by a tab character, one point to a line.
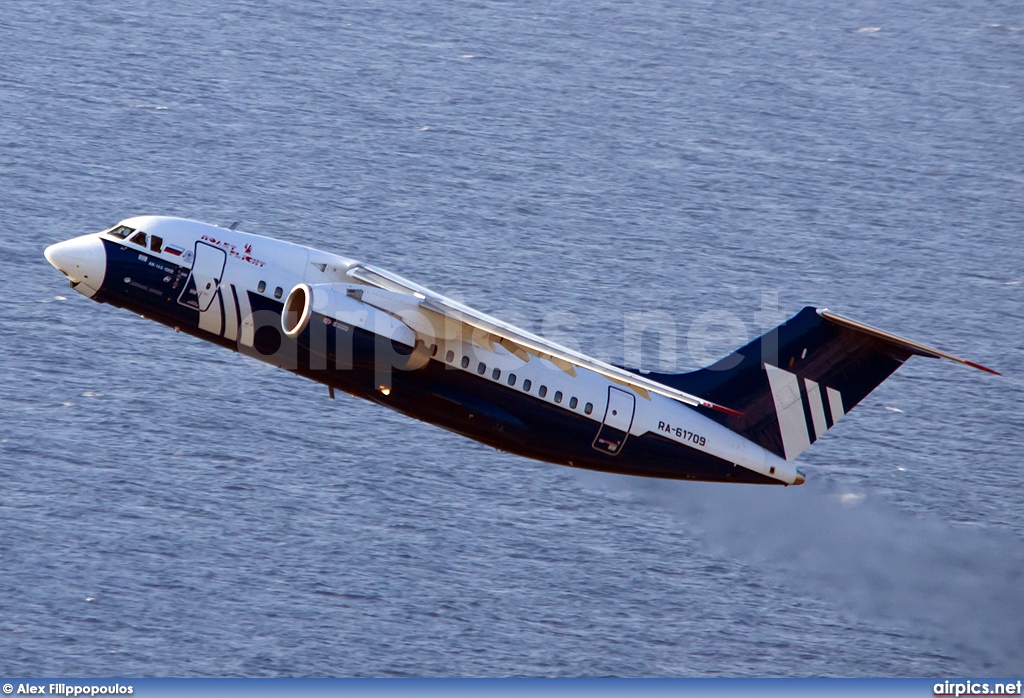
618	418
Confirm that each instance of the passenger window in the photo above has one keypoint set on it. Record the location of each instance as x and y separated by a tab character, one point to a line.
278	292
121	232
450	356
527	385
156	244
481	368
558	396
139	238
465	362
496	374
573	402
262	287
589	408
511	379
543	391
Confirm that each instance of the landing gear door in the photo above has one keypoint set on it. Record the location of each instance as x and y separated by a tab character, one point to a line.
203	282
618	418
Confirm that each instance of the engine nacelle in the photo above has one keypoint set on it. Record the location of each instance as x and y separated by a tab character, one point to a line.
320	317
340	303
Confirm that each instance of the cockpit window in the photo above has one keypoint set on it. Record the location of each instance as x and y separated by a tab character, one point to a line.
121	232
156	243
139	239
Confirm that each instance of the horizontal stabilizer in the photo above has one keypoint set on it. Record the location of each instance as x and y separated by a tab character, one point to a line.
918	349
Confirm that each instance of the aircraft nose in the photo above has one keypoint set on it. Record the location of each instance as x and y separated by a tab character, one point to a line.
82	260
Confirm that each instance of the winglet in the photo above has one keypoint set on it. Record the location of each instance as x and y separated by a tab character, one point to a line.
915	347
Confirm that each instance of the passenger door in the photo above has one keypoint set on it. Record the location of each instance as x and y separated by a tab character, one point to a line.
618	419
204	281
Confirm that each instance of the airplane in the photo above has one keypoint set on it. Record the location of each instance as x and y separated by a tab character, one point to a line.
375	335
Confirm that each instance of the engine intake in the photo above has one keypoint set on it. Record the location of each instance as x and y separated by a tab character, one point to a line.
297	310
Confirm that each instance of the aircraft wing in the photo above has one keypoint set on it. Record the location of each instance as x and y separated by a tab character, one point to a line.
514	338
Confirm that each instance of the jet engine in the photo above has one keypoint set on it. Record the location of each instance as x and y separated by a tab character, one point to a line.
322	318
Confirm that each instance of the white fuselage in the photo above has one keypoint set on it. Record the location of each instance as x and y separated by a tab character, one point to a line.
229	277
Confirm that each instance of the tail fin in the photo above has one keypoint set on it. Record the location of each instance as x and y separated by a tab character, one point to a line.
793	383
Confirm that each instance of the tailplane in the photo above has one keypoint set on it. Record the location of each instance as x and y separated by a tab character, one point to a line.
795	382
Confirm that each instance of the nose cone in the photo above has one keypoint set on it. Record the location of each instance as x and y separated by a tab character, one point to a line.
82	260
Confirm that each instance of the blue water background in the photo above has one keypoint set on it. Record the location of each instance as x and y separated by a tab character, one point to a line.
168	508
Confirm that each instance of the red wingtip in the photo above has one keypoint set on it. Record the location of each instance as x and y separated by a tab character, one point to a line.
982	368
720	408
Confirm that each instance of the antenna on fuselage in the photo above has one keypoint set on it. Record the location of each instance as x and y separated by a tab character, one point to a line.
234	225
